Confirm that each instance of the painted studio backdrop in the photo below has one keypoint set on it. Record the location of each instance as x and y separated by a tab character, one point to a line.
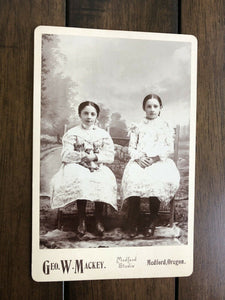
116	74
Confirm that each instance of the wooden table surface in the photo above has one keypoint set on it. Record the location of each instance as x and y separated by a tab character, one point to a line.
202	18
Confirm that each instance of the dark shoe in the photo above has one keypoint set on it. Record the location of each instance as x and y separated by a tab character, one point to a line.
149	231
100	228
133	232
81	229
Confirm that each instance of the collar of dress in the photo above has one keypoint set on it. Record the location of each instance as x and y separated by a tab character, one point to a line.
147	121
92	127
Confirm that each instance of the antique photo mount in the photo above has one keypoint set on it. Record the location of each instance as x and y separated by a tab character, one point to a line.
115	69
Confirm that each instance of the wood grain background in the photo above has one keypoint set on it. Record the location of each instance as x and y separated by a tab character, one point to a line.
202	18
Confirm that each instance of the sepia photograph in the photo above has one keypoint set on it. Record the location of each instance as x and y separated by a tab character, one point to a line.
114	152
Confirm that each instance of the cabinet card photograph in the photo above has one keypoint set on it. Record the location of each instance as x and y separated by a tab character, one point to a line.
114	129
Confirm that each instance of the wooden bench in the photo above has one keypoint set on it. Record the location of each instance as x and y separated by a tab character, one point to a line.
166	212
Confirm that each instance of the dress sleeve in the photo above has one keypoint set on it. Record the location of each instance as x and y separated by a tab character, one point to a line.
106	154
167	142
68	154
132	149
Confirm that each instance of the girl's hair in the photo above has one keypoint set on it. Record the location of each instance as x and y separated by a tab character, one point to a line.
151	96
87	103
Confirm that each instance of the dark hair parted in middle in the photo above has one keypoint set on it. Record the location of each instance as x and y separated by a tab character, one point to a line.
87	103
151	96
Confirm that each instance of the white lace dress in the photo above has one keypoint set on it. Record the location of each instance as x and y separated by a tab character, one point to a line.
161	179
94	182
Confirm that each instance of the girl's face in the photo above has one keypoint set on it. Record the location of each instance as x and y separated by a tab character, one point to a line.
152	109
88	115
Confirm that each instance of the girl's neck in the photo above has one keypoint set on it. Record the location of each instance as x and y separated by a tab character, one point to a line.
149	119
87	127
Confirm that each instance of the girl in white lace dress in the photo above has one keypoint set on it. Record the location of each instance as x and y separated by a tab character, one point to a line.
150	173
83	175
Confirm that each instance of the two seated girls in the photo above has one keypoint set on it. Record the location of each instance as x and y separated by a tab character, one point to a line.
149	173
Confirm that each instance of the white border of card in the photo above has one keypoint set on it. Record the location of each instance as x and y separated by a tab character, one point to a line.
115	262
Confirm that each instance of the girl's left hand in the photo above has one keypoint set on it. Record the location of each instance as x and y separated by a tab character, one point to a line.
150	161
144	161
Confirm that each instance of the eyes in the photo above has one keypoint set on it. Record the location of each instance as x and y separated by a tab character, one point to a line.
86	113
152	106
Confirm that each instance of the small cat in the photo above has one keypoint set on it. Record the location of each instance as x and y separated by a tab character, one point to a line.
92	166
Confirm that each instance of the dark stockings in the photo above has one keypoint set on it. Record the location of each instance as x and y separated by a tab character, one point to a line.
154	204
81	208
99	206
133	214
